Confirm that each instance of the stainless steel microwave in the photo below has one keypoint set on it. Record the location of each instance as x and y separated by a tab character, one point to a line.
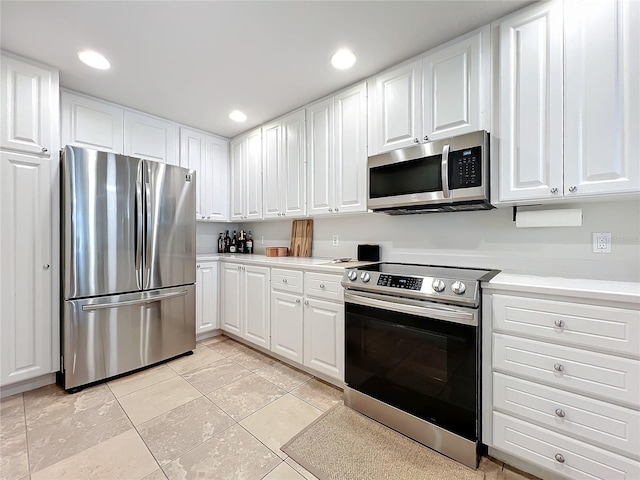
445	175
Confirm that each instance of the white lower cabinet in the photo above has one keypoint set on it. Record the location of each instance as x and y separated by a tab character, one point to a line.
324	337
207	297
287	325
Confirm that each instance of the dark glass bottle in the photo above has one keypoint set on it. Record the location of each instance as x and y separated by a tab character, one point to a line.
234	240
240	246
227	243
221	243
249	244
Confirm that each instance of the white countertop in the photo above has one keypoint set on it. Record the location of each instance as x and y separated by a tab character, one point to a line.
627	292
303	263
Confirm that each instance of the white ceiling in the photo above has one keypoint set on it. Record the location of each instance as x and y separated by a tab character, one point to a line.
194	62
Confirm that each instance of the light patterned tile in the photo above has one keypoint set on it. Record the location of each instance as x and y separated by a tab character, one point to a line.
275	424
510	473
201	356
14	462
298	468
183	428
491	468
253	360
123	457
143	405
227	347
213	340
157	475
283	376
232	455
318	394
137	381
283	472
243	397
12	419
216	375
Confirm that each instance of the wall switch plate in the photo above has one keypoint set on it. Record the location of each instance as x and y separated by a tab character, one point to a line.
335	240
602	242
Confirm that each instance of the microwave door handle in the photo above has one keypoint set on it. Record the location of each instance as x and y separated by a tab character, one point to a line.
445	172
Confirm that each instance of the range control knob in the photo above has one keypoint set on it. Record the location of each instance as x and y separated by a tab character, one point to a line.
458	288
365	277
352	275
438	285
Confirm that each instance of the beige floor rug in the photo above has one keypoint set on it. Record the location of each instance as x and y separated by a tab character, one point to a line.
342	444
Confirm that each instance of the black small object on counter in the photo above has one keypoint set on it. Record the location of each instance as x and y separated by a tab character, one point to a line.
369	253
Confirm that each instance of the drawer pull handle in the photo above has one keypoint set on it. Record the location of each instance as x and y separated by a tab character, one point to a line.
559	458
284	280
559	323
558	367
322	285
560	412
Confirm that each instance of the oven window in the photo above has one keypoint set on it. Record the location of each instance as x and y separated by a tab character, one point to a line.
423	366
411	176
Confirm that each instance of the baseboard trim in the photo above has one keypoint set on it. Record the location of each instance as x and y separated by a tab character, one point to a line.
26	385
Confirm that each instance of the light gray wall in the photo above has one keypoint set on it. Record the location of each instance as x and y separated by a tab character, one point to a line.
484	239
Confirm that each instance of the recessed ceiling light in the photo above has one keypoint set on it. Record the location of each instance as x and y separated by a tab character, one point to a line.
94	59
343	59
237	116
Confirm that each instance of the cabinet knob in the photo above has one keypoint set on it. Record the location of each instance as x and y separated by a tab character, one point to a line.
559	323
559	458
416	140
197	266
306	302
297	300
554	190
279	214
331	209
426	138
45	149
46	266
558	367
239	267
573	189
322	285
284	280
560	412
336	210
244	268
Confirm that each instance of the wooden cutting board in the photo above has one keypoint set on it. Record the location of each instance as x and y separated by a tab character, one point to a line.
301	236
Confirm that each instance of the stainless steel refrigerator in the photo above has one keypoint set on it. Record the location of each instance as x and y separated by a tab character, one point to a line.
128	264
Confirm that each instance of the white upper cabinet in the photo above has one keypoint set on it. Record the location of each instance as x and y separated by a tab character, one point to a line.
443	93
246	176
29	98
337	153
602	97
283	143
527	136
90	123
150	137
208	155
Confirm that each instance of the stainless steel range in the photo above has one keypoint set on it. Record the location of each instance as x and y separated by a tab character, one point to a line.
412	353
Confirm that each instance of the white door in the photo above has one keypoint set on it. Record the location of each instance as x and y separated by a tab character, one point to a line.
206	297
150	138
191	145
236	161
215	166
286	325
350	147
271	152
28	94
231	298
253	173
90	123
602	98
454	81
320	157
324	337
292	161
25	257
395	115
530	96
256	305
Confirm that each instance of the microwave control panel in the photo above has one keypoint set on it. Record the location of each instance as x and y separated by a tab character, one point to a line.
465	168
395	281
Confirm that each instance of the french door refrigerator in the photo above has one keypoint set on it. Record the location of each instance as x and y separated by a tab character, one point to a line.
128	264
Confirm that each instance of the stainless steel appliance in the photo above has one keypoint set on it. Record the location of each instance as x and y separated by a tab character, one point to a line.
441	176
128	256
412	352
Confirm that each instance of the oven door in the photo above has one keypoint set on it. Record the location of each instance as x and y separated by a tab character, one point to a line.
420	357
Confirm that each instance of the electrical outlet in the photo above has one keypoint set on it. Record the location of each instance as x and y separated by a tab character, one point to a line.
261	239
335	240
602	242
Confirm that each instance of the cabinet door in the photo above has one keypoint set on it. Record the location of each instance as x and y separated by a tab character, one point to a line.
206	297
253	173
324	337
236	161
602	99
191	155
92	124
150	137
286	325
271	152
529	94
29	100
396	112
232	313
292	161
25	280
454	83
215	181
256	305
320	157
350	147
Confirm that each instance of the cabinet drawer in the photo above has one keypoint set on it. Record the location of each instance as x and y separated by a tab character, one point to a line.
593	421
560	454
606	328
325	286
597	374
286	280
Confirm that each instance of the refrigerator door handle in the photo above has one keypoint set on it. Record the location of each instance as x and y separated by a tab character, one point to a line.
139	223
147	237
140	301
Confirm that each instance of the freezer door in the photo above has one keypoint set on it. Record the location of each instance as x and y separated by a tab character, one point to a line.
101	224
170	226
108	336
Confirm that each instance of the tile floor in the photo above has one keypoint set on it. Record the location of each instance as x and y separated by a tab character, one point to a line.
221	413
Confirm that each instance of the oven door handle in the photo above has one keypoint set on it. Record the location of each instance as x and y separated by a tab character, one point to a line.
438	312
